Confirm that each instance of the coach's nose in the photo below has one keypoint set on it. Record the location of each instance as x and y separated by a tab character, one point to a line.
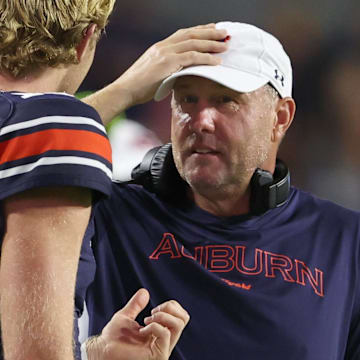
203	118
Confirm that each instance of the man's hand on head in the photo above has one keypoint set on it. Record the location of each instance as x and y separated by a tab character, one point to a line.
192	46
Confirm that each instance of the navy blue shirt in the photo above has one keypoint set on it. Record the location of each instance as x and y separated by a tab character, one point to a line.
284	285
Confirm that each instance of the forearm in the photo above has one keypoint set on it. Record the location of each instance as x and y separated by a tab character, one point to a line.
37	309
39	259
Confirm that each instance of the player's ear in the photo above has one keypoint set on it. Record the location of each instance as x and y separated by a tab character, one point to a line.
285	111
85	42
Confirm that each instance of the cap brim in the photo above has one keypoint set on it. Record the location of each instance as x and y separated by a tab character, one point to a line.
231	78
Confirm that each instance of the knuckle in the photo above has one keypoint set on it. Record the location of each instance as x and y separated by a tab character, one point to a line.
163	60
188	34
209	59
186	317
153	326
215	45
193	55
189	56
165	331
180	31
166	60
115	317
193	43
173	303
167	305
158	316
156	49
180	324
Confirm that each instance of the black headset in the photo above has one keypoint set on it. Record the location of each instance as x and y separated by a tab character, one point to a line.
157	173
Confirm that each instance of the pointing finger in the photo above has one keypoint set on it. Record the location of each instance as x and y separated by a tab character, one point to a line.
136	304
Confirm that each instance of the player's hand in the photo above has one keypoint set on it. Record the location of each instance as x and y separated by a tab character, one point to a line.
191	46
124	339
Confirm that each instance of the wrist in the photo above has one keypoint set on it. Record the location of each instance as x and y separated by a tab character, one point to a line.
123	90
111	100
93	348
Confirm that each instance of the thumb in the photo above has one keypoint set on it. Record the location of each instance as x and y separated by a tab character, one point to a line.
136	304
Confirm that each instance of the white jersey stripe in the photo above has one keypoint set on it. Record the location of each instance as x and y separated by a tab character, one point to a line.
52	120
60	160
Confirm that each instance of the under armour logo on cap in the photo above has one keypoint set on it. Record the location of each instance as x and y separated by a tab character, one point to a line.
253	58
279	77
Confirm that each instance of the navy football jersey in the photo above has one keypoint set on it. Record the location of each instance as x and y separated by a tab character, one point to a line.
52	139
283	285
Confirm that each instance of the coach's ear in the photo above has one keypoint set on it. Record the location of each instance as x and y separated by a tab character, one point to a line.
85	41
285	111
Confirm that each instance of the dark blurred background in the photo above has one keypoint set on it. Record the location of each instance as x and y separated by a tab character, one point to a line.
322	38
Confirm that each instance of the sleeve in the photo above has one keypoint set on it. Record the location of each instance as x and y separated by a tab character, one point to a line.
53	141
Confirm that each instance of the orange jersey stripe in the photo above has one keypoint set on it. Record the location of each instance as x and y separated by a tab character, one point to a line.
57	139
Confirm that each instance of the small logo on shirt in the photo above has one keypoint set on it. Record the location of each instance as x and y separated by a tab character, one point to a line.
238	285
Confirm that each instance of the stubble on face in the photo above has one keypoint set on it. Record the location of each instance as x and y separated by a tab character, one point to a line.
255	151
245	145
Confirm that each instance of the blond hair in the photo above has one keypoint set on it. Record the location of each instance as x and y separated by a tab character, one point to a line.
38	33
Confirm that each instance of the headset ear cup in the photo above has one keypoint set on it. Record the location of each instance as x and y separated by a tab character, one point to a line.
269	191
158	174
260	182
141	173
164	174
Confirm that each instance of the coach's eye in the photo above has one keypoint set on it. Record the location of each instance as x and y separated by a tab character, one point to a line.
189	99
225	99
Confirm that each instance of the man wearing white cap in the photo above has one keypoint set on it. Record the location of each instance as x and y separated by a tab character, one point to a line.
265	270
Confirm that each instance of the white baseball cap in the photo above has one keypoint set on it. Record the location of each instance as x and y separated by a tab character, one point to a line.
253	59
